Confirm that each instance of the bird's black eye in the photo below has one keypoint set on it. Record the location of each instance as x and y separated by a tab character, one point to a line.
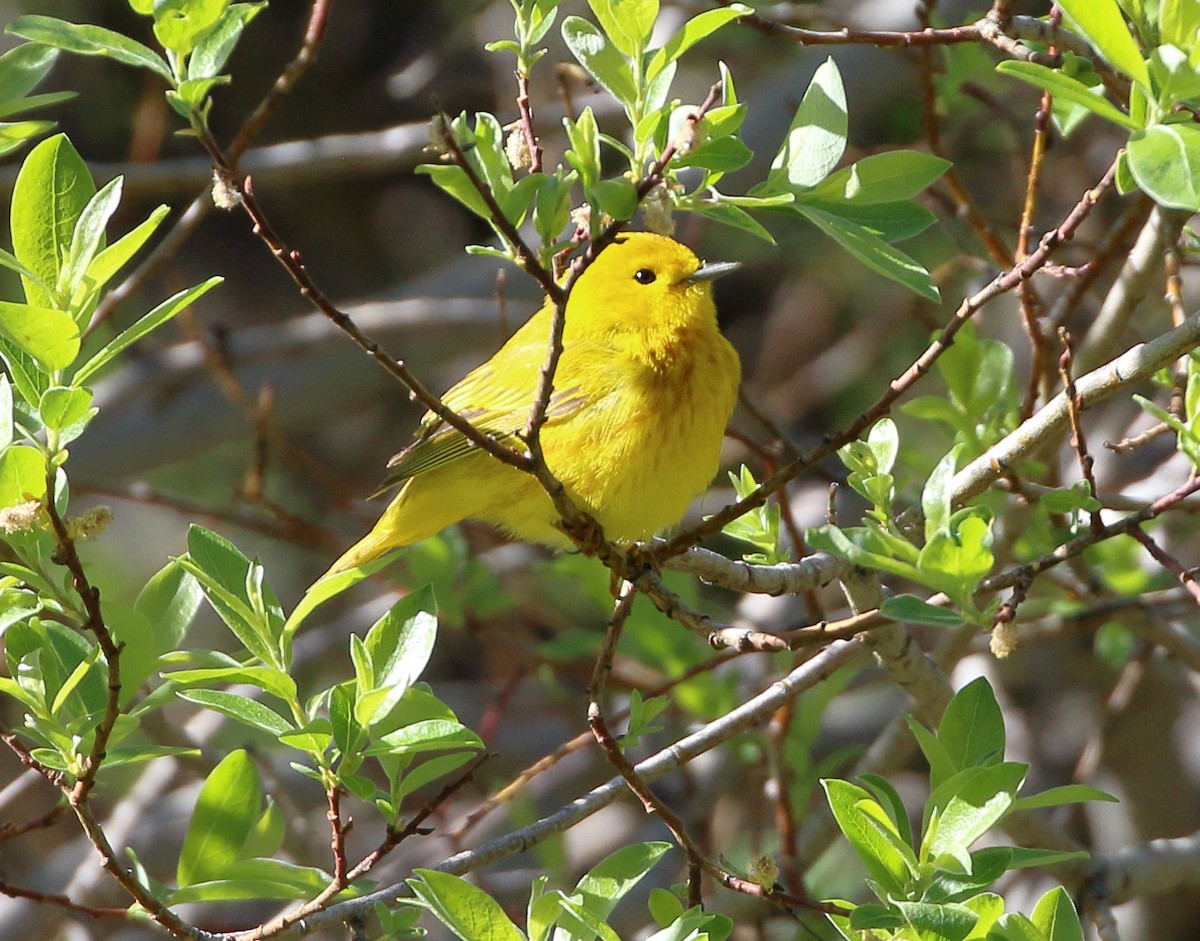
644	276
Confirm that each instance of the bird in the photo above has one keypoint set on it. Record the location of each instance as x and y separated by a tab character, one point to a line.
644	389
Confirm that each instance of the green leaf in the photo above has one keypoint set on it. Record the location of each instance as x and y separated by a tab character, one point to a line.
249	712
214	50
428	735
627	23
972	727
890	800
89	41
1102	25
731	216
1179	22
610	879
884	178
914	610
88	237
946	922
697	28
169	601
892	222
270	680
936	495
601	59
51	190
1064	794
112	259
222	571
246	879
399	645
873	252
1055	916
179	25
816	139
6	413
23	68
1069	89
870	833
50	336
469	912
941	767
969	804
616	196
723	155
22	475
227	809
62	406
1165	161
147	323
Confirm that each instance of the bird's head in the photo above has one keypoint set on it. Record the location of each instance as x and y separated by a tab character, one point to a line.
642	283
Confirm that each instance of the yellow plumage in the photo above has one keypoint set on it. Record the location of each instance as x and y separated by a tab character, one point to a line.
643	391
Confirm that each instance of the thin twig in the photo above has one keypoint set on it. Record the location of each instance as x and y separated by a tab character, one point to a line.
1074	407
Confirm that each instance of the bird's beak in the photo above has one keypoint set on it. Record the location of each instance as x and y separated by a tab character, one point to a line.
709	271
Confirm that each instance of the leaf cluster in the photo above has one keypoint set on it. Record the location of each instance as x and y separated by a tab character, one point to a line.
930	884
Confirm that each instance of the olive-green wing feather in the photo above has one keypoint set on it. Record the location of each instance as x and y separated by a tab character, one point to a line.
495	397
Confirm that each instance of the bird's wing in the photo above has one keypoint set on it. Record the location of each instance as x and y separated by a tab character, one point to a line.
496	398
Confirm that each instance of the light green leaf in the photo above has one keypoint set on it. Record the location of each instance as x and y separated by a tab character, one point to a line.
23	68
6	412
50	336
601	59
610	879
1064	794
113	258
427	735
89	41
697	28
226	811
52	187
1165	161
246	879
892	222
1102	25
469	912
214	50
972	727
62	406
816	139
873	252
249	712
88	236
884	178
945	922
936	495
22	475
1069	89
914	610
146	324
627	23
878	845
1055	916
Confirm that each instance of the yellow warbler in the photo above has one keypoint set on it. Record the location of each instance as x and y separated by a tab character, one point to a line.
643	391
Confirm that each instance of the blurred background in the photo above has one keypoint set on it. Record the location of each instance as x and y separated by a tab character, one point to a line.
254	416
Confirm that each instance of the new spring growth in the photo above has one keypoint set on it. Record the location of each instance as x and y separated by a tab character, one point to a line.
516	147
1004	639
764	871
91	524
23	517
657	211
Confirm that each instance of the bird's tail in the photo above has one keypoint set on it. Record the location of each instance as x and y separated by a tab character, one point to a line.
374	545
415	513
